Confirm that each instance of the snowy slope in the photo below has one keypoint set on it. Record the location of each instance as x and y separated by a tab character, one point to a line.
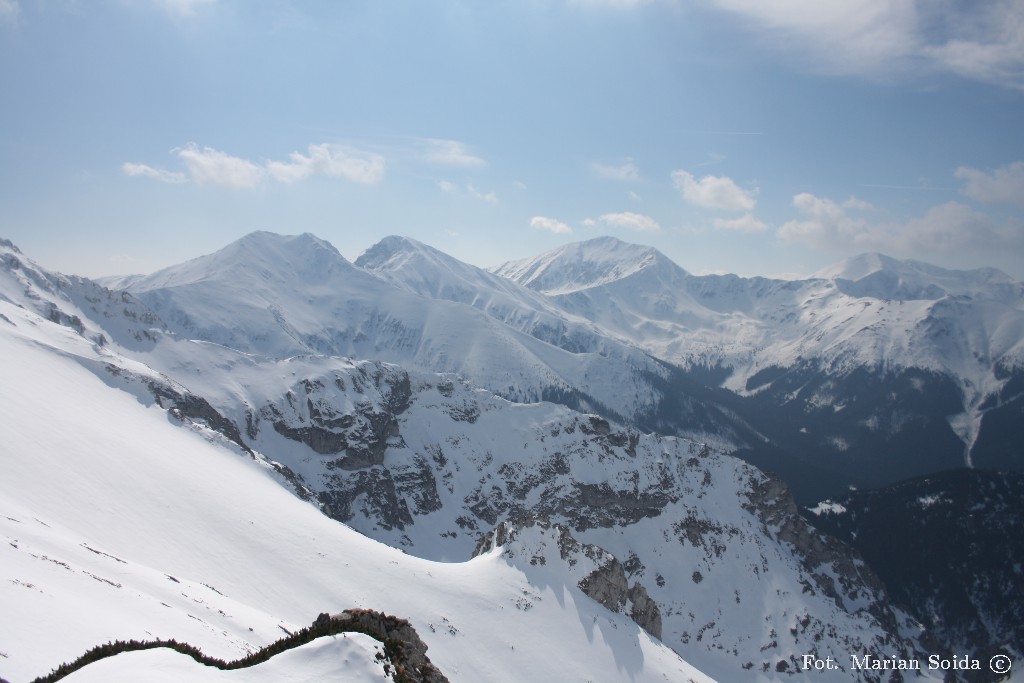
119	521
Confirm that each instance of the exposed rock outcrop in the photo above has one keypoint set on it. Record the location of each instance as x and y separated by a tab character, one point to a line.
601	575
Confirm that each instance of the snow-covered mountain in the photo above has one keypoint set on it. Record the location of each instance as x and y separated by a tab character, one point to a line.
248	401
148	492
849	368
279	296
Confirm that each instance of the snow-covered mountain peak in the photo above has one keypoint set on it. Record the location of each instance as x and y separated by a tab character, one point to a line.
392	246
271	257
583	265
421	268
878	276
7	244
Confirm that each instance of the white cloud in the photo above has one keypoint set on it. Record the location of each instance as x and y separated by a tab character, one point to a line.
826	226
745	223
630	221
450	153
589	222
160	174
335	161
213	167
854	203
454	188
626	171
986	43
182	8
982	41
549	224
9	10
946	228
713	192
1005	185
483	196
209	166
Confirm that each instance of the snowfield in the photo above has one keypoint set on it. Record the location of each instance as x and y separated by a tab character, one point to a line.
118	523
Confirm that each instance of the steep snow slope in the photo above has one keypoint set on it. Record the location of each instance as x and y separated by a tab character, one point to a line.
121	522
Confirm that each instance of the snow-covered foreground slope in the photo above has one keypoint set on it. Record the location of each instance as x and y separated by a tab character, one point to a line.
119	522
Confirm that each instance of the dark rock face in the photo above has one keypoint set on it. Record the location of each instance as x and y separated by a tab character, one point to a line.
644	611
360	435
404	646
376	493
771	501
185	405
949	548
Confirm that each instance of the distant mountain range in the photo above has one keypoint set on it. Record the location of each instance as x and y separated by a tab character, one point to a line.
873	371
572	419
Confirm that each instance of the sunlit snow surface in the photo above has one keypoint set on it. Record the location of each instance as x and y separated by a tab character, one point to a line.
118	523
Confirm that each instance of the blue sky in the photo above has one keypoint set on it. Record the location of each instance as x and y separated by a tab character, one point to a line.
763	137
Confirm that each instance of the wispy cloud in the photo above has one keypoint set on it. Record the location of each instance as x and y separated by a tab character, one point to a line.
454	188
628	220
209	166
625	171
713	192
981	41
745	223
450	153
173	177
9	10
1003	185
945	228
335	161
182	8
549	224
